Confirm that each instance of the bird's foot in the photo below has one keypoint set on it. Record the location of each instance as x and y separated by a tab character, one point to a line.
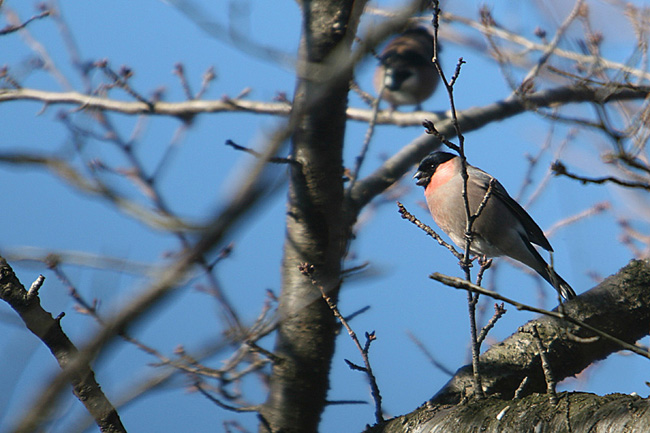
484	262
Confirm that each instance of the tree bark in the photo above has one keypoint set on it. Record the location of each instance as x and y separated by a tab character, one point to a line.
316	228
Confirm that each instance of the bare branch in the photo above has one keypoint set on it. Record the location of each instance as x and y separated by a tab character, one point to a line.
499	311
428	230
459	283
15	27
552	46
559	169
366	141
249	192
221	404
474	118
529	45
428	354
68	173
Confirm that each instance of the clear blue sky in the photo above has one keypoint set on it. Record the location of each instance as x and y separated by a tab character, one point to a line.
150	37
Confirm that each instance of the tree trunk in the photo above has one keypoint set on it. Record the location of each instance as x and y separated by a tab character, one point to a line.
317	233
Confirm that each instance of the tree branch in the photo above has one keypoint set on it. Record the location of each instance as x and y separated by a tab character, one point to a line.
619	306
48	330
474	118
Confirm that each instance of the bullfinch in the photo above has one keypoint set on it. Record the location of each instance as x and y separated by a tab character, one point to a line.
406	72
503	228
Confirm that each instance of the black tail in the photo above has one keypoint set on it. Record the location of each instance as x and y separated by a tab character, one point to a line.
563	288
548	273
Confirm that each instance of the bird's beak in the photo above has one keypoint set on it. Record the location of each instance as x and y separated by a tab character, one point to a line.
422	178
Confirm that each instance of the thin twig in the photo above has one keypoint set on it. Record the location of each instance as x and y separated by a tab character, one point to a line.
16	27
429	355
186	363
208	76
486	198
472	300
570	135
342	402
559	169
274	159
596	209
551	47
366	142
499	311
466	263
485	264
528	45
428	230
179	71
121	80
365	96
71	175
221	404
546	367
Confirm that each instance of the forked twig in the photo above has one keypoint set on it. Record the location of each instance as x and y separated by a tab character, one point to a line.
546	366
308	270
428	230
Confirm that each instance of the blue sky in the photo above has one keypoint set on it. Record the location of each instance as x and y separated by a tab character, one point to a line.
151	37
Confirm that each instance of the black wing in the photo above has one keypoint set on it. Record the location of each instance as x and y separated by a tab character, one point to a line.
534	232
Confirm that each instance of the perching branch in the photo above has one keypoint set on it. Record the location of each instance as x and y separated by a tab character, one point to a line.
460	283
428	230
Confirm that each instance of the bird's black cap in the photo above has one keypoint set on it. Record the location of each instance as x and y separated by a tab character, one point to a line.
428	166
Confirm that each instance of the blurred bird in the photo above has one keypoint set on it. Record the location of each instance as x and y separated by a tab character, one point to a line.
406	72
503	228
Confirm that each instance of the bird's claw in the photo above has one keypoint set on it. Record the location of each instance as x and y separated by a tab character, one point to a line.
484	262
